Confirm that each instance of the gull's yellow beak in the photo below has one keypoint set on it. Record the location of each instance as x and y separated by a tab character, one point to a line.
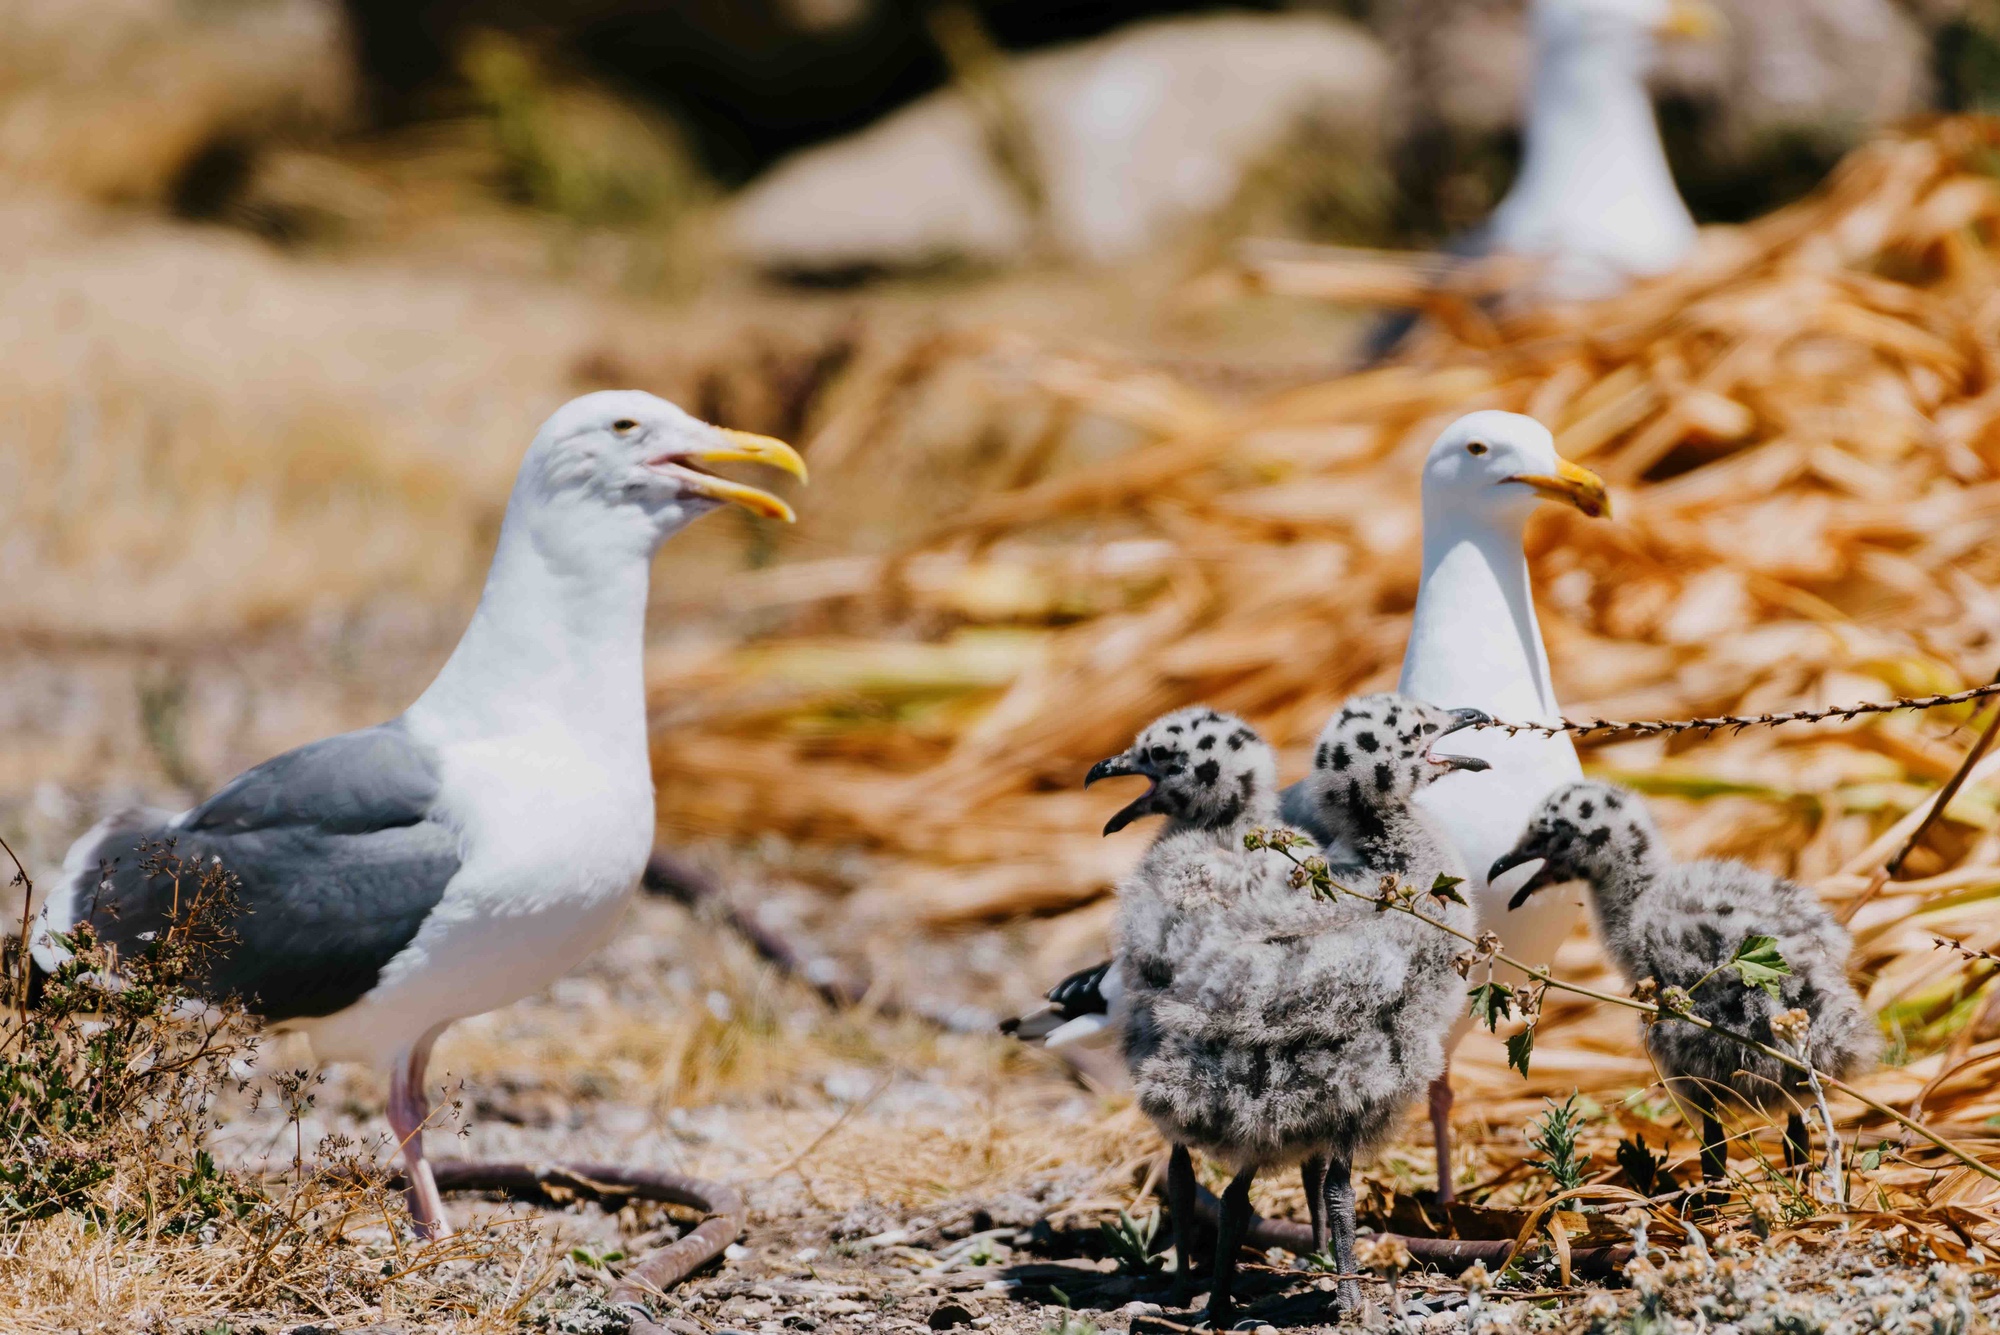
1572	485
1690	20
746	447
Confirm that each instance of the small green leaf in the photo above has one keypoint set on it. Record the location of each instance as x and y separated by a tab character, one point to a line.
1758	963
1492	1003
1869	1160
1519	1048
1446	887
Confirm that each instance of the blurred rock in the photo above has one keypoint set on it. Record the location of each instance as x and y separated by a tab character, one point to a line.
1135	134
1832	69
145	100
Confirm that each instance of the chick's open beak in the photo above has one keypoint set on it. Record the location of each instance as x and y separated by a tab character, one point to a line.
1461	719
1690	20
1571	484
1112	767
731	446
1540	879
1109	768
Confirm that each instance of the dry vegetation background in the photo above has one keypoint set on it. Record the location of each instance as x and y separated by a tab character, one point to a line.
252	466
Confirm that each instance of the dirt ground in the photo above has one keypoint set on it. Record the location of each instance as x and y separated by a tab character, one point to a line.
902	1177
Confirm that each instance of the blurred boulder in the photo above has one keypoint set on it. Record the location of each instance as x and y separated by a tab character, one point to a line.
151	100
1132	135
1832	69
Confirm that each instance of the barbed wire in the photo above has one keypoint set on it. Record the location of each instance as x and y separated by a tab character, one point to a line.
1737	722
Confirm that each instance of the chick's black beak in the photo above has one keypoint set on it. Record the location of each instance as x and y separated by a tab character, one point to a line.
1506	862
1461	720
1466	718
1110	768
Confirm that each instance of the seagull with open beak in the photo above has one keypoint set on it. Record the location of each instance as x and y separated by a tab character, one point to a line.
473	849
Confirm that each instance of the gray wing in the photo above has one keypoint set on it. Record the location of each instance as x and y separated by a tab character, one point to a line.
339	860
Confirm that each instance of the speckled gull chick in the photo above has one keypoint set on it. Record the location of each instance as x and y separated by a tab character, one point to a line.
1474	641
1264	1027
465	854
1680	923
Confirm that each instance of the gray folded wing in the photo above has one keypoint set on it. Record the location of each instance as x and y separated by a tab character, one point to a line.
338	857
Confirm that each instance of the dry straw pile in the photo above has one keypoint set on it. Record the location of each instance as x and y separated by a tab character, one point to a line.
1802	430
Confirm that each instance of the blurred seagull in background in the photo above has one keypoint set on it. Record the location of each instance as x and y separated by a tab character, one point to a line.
1474	643
472	850
1595	201
1594	204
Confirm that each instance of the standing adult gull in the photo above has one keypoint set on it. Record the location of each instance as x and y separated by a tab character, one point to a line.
1474	643
465	854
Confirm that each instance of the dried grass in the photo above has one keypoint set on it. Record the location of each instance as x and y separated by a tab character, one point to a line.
1803	428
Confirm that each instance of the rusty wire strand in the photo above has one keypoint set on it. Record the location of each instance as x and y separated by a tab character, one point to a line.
1737	722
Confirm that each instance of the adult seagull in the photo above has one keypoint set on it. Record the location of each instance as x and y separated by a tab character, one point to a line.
464	854
1474	643
1594	204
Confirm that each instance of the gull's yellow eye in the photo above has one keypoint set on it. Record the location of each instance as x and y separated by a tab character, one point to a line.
1476	447
624	426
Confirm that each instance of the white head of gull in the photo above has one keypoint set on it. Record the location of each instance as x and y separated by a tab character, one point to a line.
1595	198
472	850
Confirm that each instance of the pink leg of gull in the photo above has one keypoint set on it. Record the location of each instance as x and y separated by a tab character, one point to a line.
1441	1099
409	1109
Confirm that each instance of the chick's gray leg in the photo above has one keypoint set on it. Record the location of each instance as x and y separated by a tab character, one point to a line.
1714	1149
1180	1205
1312	1176
1340	1213
1798	1141
1441	1101
1235	1222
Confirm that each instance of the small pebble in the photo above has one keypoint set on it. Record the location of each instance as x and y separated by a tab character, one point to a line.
1001	1285
1137	1308
735	1251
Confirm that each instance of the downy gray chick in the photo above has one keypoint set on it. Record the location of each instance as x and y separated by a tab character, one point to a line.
1265	1027
1086	1005
1680	923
